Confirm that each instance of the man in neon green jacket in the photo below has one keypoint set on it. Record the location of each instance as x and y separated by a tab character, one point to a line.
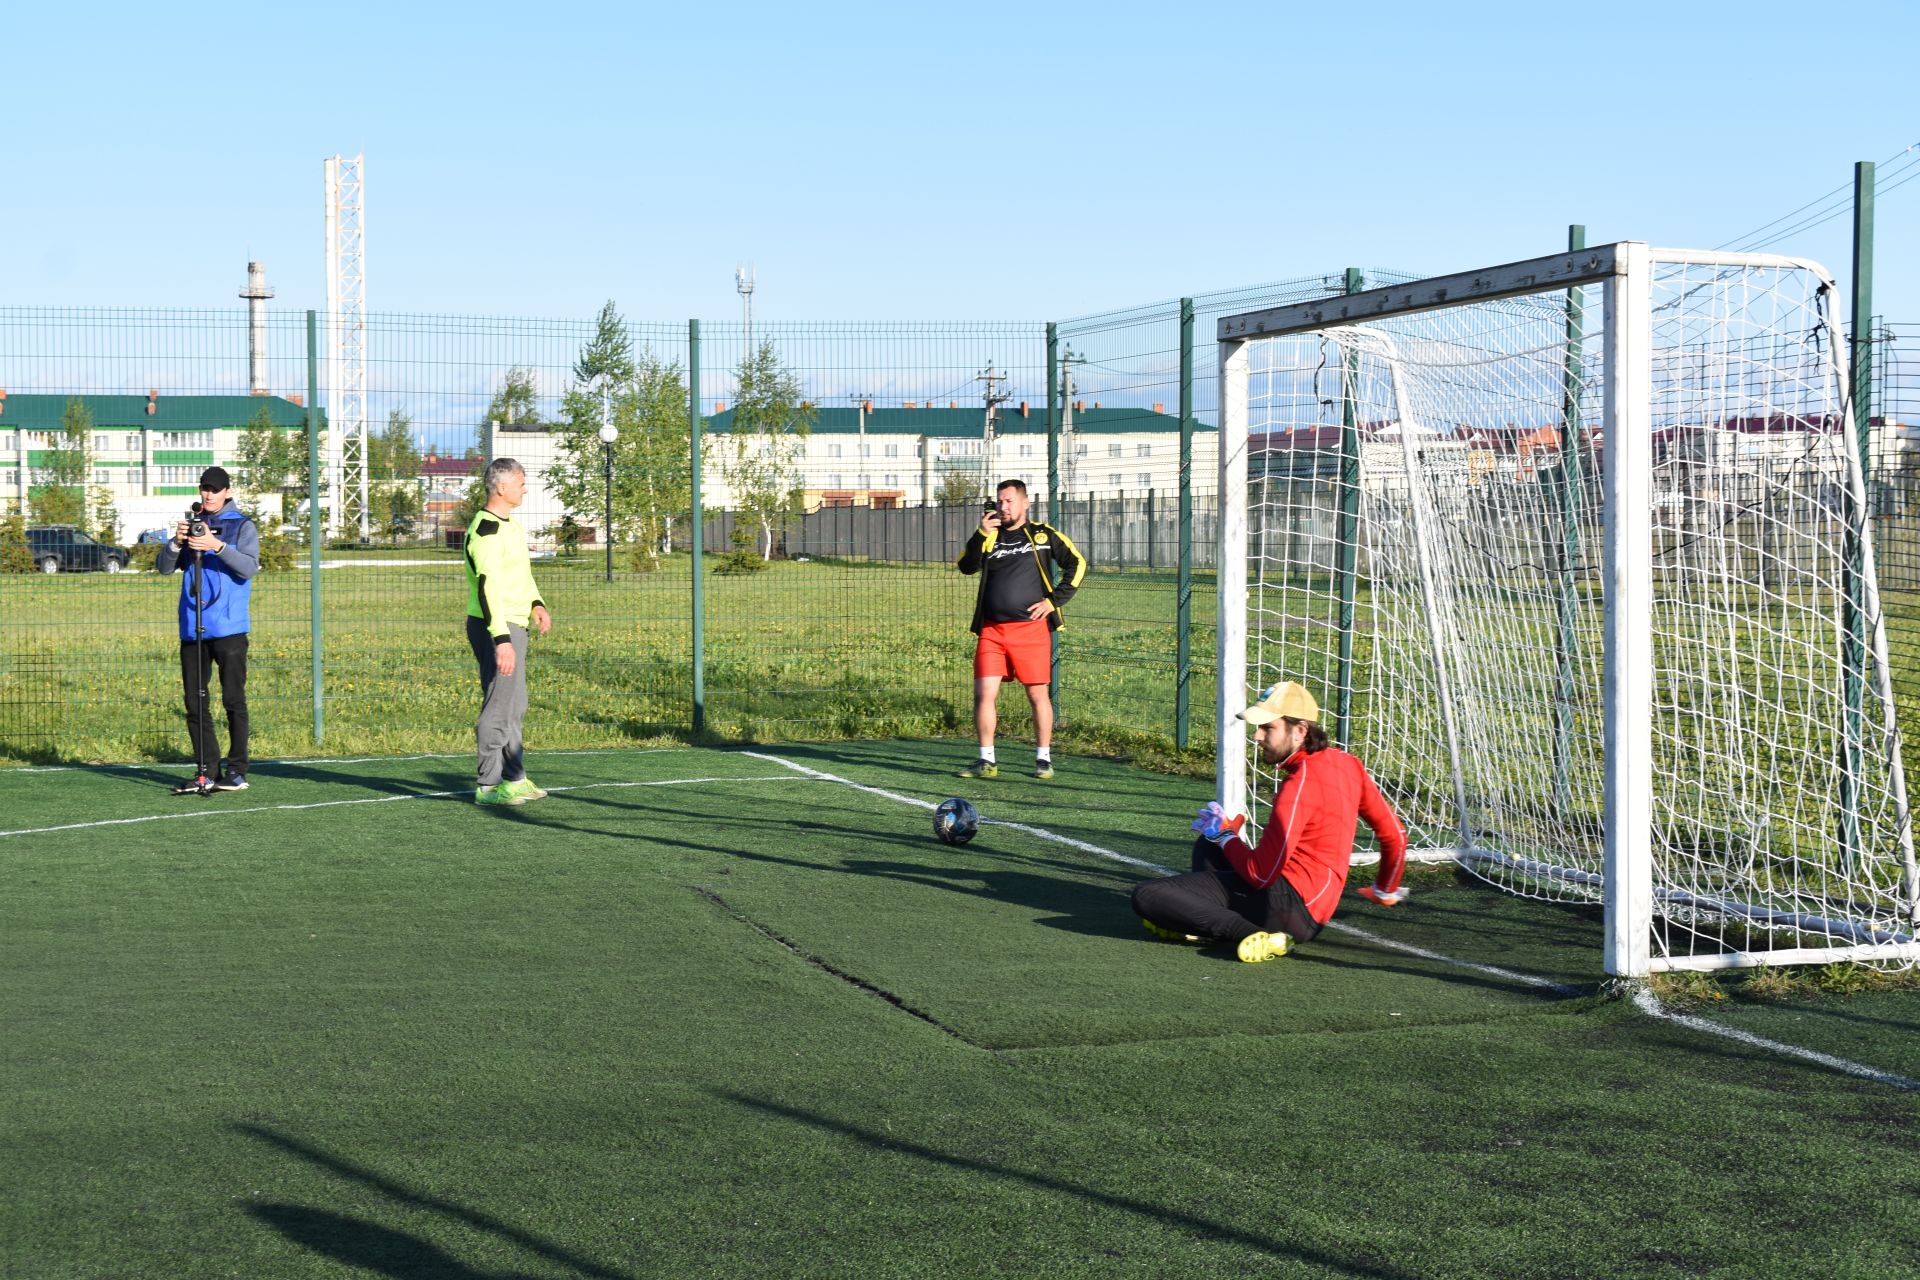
502	601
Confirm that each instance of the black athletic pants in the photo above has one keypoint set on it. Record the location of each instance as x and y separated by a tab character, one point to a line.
230	652
1212	901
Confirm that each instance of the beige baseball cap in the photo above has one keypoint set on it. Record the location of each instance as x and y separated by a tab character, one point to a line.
1286	700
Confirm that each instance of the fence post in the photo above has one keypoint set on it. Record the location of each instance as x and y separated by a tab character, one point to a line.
1854	576
1056	513
1150	494
1572	483
1347	539
696	430
1053	427
313	516
1183	598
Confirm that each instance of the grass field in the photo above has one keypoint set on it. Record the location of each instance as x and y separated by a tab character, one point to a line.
704	1013
812	650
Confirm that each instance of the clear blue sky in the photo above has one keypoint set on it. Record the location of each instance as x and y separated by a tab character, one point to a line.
1023	161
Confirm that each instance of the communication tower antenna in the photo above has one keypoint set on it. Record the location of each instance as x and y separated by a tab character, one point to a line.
743	285
347	344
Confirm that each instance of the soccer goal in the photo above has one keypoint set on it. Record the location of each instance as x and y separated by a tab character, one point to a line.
1576	553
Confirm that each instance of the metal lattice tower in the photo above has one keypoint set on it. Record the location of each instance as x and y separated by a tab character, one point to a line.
347	344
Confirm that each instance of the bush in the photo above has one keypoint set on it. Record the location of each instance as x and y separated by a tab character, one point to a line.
14	556
276	544
743	558
566	534
142	555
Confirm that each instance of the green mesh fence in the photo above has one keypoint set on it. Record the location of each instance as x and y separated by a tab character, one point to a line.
1895	471
843	464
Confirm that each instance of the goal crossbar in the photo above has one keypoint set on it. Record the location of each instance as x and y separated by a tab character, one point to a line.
1512	280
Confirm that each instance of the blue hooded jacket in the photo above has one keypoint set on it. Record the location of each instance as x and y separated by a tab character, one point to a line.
225	585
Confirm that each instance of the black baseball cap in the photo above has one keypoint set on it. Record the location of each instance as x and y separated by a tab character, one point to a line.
214	479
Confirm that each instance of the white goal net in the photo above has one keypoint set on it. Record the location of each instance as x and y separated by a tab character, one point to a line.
1575	554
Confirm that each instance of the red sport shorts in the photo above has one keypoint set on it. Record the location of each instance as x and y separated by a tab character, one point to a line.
1023	650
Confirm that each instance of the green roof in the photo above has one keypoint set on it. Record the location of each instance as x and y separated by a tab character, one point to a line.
965	424
170	413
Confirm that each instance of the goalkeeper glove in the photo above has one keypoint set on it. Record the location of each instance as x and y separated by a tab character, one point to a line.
1214	824
1380	897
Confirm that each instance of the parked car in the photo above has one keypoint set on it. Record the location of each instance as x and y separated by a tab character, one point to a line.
64	549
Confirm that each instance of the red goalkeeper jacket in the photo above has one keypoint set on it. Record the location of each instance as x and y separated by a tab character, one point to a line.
1309	838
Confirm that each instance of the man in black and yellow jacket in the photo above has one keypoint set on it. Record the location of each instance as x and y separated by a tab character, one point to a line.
502	602
1027	571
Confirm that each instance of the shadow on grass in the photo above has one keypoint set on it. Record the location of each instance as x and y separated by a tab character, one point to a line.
1204	1229
389	1252
367	1246
937	762
1074	902
294	771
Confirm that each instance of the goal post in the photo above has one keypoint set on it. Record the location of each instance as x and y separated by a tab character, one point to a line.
1605	622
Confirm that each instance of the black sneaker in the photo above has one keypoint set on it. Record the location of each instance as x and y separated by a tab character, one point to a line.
230	782
194	787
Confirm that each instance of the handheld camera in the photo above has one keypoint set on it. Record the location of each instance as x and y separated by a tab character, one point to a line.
196	522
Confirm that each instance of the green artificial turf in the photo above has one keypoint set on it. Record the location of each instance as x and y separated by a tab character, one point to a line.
765	1025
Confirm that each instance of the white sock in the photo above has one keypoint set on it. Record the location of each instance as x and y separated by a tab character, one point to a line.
1043	753
986	753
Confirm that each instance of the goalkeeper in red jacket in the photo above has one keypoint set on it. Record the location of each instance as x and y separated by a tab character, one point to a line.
1265	898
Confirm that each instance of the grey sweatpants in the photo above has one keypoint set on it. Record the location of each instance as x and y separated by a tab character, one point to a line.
503	705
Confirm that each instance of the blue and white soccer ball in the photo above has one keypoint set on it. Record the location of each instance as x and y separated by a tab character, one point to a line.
955	821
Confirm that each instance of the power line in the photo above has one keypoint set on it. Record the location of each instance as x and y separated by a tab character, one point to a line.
1745	242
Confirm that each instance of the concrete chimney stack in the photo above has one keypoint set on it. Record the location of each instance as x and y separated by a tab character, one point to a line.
256	293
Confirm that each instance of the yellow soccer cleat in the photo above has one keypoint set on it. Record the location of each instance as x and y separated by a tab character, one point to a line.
1256	947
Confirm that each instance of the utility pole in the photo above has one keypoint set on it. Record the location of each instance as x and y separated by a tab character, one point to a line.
1067	447
994	398
861	404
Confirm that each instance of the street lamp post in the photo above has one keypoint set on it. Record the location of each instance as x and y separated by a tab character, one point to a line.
607	436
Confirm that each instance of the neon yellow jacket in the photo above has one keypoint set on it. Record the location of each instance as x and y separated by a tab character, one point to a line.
500	588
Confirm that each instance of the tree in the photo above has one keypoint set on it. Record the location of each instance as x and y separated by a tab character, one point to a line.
399	512
475	498
269	461
515	404
61	497
958	486
647	403
105	515
393	476
760	459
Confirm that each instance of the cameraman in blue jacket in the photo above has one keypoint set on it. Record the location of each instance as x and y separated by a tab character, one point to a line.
220	582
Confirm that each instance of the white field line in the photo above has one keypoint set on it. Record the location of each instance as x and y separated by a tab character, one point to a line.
262	764
1650	1005
1643	1000
335	804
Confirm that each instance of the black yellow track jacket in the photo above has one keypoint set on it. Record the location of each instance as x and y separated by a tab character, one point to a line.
1049	552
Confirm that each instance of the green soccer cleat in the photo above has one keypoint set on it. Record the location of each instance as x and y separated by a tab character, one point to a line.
497	795
1043	769
524	790
1165	934
981	769
1256	947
